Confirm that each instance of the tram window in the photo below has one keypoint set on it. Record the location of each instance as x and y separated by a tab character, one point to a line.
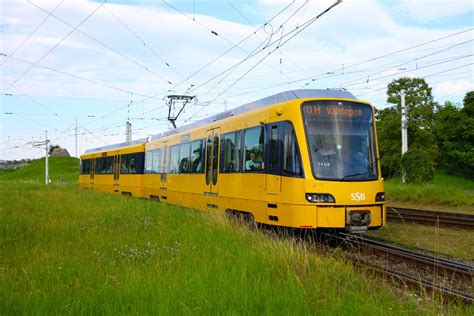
103	165
215	162
86	166
140	162
99	165
149	161
108	165
99	162
81	167
208	159
128	164
166	160
254	140
157	161
231	152
184	158
291	156
237	151
125	164
197	156
132	164
174	159
273	159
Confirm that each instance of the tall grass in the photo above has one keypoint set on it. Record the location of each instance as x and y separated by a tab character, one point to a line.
68	251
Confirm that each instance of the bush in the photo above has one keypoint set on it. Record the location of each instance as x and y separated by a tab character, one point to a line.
417	164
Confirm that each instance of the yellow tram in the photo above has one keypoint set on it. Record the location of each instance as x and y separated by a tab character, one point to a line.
116	168
301	158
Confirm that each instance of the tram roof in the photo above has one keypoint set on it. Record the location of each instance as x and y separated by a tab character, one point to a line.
114	146
273	99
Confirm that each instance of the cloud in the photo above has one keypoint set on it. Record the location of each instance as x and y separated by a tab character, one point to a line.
351	33
455	87
432	10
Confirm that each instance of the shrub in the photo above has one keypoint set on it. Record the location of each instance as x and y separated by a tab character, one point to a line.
417	164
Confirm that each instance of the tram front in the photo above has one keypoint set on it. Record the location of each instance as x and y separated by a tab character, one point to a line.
342	146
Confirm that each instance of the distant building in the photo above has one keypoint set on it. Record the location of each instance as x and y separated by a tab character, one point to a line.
60	152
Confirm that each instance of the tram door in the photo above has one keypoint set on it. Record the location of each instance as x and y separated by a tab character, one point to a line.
274	150
164	167
212	161
116	172
92	172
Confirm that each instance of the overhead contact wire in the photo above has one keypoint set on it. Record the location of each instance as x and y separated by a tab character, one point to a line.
108	47
31	33
54	47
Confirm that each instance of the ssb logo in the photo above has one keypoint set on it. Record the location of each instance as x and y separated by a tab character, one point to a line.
358	196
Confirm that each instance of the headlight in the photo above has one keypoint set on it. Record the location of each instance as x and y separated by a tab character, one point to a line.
380	197
320	198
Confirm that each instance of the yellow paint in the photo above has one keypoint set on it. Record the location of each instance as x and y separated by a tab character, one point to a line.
126	184
250	192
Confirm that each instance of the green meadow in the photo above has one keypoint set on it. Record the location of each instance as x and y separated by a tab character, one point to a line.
65	250
60	168
445	193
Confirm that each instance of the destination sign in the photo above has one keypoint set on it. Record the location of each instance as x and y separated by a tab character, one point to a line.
337	110
185	138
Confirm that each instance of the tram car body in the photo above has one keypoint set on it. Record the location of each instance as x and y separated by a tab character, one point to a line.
301	158
116	168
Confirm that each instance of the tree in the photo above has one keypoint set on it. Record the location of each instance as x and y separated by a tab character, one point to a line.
390	143
417	166
418	99
469	104
420	107
454	130
51	148
467	139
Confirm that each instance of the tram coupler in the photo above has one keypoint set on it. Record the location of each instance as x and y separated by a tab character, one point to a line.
357	229
357	220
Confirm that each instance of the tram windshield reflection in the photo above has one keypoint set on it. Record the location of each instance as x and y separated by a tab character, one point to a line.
341	140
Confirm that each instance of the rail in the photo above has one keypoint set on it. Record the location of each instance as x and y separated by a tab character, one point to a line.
434	218
456	273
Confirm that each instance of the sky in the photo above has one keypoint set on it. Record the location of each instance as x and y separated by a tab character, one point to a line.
78	67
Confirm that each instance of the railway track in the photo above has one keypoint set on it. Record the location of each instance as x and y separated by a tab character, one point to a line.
449	278
442	219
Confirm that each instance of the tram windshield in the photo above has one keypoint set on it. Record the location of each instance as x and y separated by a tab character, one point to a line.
341	140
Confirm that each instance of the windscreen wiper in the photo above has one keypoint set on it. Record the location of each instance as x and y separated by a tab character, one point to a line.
354	175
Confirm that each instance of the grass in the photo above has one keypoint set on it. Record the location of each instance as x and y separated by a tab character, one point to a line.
445	193
60	168
453	242
65	250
